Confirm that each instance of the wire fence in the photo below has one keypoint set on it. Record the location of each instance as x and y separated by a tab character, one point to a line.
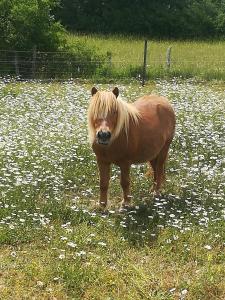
45	65
61	65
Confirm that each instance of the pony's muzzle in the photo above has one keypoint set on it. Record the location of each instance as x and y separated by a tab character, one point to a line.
103	137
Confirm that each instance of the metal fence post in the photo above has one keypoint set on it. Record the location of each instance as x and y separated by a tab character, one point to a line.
33	65
168	57
109	58
144	63
16	63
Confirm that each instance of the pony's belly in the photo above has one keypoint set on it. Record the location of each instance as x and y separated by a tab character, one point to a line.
139	155
142	158
146	149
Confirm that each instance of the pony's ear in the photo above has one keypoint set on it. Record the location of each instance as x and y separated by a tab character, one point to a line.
93	91
116	91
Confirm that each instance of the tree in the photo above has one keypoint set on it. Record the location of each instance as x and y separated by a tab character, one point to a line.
156	18
25	24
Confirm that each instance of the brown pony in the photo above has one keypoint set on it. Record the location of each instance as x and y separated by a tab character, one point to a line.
125	134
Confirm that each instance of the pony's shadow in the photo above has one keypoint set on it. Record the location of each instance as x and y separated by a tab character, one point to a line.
142	224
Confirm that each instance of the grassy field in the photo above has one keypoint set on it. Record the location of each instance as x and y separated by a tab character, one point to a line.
55	244
108	58
188	58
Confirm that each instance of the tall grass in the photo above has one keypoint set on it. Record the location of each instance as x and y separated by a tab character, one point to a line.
203	59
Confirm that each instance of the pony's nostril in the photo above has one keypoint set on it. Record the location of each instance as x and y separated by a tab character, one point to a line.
99	134
108	135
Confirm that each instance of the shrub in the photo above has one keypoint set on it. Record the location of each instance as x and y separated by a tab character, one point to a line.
25	24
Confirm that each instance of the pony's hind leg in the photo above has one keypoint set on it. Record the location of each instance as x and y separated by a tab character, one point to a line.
159	172
125	183
153	164
150	171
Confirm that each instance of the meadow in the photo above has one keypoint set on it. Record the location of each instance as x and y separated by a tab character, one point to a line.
56	244
203	59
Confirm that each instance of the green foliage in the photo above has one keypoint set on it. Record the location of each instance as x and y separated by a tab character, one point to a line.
155	19
25	24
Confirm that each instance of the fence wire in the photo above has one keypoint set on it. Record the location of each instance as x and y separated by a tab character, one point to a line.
60	65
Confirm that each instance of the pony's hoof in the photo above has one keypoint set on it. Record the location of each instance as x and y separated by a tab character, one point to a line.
124	206
102	206
155	194
99	208
122	209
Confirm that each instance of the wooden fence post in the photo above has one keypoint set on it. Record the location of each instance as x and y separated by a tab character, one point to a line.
33	66
109	58
16	63
168	58
144	63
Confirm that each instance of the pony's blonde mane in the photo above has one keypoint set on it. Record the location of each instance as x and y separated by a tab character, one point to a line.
104	102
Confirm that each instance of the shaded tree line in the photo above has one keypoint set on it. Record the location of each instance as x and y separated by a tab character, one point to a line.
151	18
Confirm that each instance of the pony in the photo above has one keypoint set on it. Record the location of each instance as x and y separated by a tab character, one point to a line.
124	133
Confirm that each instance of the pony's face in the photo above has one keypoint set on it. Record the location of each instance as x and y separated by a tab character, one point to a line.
105	123
104	127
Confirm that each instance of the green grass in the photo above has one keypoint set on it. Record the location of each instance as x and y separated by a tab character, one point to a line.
56	244
109	58
113	268
188	58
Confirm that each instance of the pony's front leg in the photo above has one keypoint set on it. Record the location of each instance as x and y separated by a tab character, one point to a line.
125	183
104	172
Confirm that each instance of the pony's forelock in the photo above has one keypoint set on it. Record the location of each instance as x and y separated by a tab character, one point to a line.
104	102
